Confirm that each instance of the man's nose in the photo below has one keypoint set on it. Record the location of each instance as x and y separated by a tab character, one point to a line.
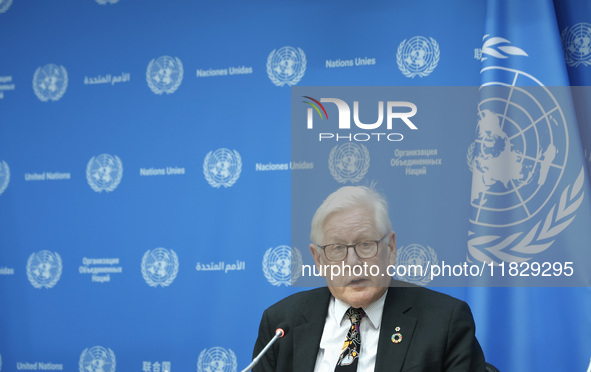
352	258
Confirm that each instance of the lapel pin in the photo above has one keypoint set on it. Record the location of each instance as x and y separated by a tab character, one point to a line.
397	337
397	329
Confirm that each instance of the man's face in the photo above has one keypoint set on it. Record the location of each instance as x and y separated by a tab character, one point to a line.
350	227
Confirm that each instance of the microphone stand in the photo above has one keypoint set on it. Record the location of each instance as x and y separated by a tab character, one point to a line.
278	334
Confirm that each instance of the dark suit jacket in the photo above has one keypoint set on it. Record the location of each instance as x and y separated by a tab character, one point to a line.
437	330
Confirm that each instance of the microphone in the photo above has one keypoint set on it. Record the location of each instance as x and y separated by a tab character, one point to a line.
279	332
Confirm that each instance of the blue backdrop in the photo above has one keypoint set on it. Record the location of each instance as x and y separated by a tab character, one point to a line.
146	170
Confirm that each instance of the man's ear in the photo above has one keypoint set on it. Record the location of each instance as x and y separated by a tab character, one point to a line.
392	248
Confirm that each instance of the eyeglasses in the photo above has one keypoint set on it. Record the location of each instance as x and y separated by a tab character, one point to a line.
364	249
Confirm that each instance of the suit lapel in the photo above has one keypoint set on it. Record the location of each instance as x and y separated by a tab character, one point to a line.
390	356
306	336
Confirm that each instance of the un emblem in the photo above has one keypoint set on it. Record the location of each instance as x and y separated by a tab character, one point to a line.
217	359
222	167
418	56
286	65
104	172
417	261
4	176
515	168
44	269
576	43
348	162
50	82
282	265
97	359
164	74
160	267
517	161
4	5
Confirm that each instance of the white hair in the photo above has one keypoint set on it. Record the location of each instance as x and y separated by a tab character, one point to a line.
351	197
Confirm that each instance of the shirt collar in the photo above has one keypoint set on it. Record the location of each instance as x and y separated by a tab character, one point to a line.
373	312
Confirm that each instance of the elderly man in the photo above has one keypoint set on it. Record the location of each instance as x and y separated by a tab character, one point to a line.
365	322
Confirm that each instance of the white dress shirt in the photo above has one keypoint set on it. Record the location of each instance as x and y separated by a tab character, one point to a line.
337	325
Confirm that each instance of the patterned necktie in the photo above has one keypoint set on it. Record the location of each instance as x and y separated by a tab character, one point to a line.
350	354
